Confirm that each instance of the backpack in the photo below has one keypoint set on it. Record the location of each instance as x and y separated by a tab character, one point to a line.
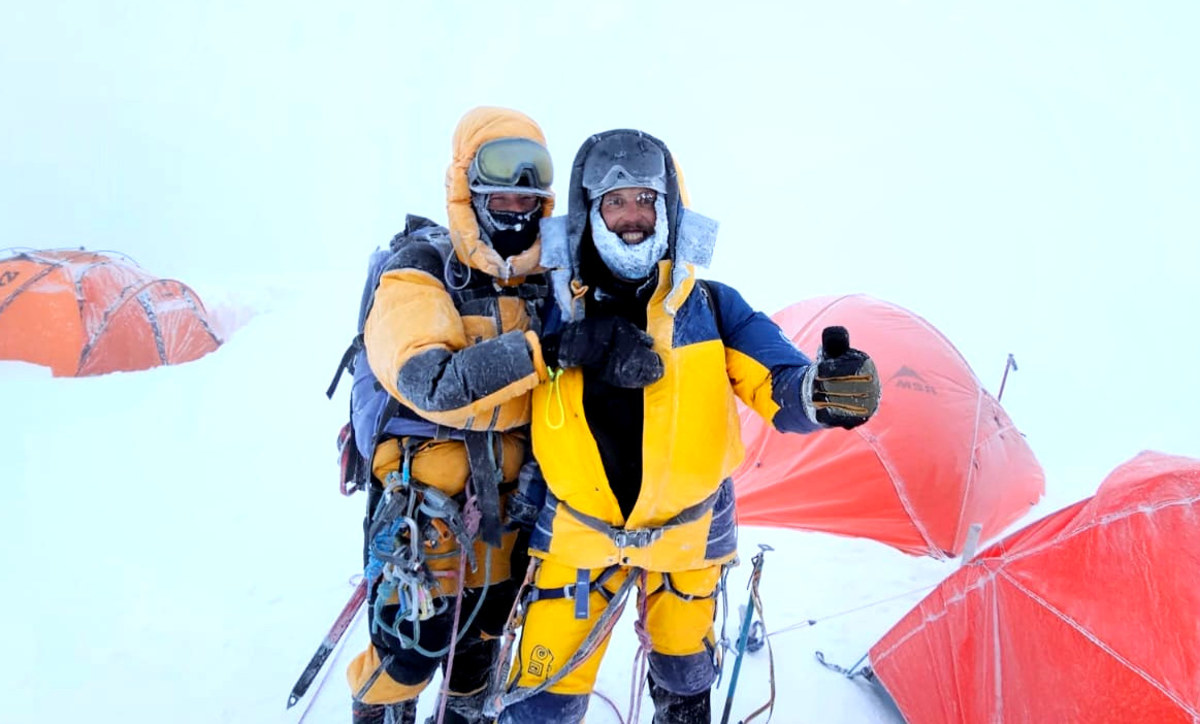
373	412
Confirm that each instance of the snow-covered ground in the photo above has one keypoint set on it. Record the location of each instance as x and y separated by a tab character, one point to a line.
172	545
174	542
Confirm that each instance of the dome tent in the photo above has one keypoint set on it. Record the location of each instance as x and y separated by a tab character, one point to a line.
88	313
1086	615
939	456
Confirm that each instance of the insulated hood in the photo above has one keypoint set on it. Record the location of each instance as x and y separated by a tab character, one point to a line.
477	127
690	239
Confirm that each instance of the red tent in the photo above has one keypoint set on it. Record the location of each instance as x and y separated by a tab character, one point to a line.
86	313
940	454
1091	614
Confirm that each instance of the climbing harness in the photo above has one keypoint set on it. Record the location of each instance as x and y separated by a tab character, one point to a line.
505	695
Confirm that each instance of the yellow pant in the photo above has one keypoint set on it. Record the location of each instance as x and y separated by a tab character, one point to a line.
679	623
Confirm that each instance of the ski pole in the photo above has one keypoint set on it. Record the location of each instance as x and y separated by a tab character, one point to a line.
340	624
755	573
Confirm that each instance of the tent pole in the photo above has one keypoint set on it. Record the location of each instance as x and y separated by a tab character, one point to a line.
1010	363
971	544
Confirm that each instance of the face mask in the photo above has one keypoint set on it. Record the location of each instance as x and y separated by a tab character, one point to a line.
631	262
508	232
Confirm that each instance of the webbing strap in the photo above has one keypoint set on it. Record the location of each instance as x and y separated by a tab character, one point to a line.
485	479
572	590
582	594
670	588
600	631
347	363
642	537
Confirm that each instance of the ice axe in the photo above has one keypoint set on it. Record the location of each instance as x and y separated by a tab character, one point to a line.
747	620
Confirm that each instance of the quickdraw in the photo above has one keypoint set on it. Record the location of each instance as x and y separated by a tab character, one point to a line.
410	515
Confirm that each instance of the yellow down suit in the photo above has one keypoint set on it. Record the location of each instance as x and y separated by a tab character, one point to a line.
451	335
668	518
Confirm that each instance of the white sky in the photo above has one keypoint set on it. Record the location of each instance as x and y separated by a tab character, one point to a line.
1025	175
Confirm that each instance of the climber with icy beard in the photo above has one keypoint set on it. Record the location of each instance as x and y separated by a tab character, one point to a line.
637	432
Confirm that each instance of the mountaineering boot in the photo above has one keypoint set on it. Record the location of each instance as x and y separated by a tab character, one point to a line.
466	709
361	713
671	708
404	712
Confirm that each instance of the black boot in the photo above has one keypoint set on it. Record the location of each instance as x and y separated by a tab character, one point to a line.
404	712
671	708
463	709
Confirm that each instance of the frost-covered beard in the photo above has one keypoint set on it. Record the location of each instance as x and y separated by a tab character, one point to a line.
630	261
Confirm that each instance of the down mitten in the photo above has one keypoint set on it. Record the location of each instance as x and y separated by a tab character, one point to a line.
622	354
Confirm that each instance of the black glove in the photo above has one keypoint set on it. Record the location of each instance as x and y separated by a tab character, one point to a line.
842	387
623	354
524	505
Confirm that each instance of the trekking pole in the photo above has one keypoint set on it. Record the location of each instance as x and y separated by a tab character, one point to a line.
340	624
1011	363
755	574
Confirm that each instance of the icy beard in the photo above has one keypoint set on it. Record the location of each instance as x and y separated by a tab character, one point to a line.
630	262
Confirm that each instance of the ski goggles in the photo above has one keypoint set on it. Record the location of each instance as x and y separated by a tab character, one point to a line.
622	161
501	165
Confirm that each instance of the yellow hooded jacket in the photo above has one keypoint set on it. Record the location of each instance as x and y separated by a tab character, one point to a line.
415	334
715	350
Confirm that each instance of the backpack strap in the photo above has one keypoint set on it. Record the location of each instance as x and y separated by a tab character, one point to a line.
347	363
485	478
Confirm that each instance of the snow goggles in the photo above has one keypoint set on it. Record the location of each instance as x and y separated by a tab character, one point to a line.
622	161
501	165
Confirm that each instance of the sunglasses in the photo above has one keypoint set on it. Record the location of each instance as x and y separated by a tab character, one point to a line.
506	161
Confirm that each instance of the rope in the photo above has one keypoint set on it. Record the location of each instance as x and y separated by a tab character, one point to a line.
769	705
637	679
462	575
516	615
595	638
815	621
611	704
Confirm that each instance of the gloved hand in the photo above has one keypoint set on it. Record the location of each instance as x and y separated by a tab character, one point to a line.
623	354
526	502
841	389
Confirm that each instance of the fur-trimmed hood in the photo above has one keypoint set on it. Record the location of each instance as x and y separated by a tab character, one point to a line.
690	240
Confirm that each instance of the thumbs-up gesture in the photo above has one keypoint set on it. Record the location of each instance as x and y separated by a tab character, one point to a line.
841	389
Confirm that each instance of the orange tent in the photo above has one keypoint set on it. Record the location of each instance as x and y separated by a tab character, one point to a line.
1087	615
939	456
87	313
